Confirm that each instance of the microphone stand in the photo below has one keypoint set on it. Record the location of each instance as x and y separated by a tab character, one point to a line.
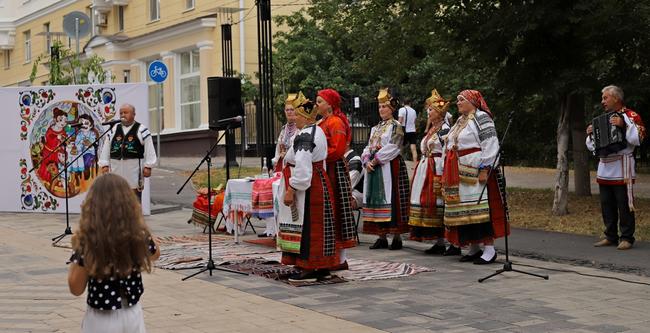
507	266
64	145
92	145
68	230
209	266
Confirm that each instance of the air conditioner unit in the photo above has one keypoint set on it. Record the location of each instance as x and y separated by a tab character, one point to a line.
102	19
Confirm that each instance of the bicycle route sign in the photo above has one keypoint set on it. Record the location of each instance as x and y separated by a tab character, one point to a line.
158	71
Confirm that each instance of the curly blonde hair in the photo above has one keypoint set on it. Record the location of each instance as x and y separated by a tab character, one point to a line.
112	236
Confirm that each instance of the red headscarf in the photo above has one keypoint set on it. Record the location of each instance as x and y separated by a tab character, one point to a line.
475	97
333	98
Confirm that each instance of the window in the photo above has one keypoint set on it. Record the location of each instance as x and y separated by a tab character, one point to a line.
127	75
189	4
91	14
7	58
154	10
48	38
190	83
154	96
120	18
27	36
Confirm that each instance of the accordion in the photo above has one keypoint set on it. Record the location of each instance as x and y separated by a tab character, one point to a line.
608	139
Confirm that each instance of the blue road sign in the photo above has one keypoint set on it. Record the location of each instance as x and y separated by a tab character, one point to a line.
158	71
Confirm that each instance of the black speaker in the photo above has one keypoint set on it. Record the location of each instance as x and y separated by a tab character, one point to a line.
224	101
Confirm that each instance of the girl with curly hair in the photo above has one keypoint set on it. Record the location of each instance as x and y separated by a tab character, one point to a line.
111	248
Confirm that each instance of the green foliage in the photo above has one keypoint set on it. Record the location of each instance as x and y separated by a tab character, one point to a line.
522	55
249	91
65	62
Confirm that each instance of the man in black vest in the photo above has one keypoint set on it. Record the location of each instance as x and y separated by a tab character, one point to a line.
128	150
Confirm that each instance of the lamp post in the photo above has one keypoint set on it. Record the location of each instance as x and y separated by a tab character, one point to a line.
264	114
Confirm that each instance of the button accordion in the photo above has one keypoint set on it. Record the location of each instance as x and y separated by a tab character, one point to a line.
608	138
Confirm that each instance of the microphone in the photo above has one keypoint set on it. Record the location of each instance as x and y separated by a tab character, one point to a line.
112	122
109	123
237	119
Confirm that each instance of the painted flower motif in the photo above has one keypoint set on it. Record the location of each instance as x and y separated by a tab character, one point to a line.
26	111
107	109
87	94
23	128
48	204
107	97
28	200
23	171
27	100
44	94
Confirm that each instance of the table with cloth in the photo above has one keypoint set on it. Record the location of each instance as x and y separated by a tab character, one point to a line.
249	197
242	198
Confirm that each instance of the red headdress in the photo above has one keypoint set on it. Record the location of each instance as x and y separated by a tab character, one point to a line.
333	98
475	97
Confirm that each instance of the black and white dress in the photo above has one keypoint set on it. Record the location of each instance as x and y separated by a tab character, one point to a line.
113	303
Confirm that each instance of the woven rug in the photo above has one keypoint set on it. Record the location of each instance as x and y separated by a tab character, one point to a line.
187	252
267	242
272	269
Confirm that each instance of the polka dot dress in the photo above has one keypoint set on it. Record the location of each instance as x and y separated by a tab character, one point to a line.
111	293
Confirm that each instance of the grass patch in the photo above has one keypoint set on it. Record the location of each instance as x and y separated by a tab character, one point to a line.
531	209
218	176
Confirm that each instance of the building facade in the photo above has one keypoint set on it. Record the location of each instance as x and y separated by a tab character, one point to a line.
129	35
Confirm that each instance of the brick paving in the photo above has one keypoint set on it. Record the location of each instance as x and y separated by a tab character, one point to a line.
34	296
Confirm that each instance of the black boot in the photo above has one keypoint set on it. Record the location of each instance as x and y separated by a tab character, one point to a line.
436	249
452	251
471	257
396	244
380	243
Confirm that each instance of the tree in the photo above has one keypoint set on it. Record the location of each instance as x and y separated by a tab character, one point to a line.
64	65
544	59
558	49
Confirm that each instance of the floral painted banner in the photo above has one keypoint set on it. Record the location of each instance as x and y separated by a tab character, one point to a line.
47	157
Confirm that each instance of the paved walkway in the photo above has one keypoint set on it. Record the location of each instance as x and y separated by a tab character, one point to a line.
600	290
550	246
34	296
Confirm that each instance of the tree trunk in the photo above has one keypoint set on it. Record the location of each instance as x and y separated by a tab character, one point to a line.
561	200
580	153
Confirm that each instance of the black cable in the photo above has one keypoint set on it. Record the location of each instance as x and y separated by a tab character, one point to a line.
562	271
245	16
586	274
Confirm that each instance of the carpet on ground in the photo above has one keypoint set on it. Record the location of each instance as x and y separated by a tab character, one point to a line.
268	242
188	252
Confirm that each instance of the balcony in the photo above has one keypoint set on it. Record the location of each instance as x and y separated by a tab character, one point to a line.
7	36
105	6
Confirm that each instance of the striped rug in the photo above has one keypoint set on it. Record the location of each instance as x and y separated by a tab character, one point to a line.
187	252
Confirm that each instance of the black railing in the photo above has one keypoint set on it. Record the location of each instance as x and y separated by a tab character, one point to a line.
362	116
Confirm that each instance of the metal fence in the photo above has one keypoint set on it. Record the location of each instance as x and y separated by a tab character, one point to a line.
362	116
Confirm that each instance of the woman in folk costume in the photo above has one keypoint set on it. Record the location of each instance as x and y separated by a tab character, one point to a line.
337	130
307	236
386	185
471	148
427	204
288	132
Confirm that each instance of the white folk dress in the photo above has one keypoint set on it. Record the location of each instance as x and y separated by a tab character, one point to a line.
306	230
386	189
474	139
427	203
